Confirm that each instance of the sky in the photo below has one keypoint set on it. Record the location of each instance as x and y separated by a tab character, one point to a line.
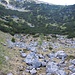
60	2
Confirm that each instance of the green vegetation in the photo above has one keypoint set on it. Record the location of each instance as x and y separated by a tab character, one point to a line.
46	19
5	53
2	59
2	50
41	36
50	48
70	57
13	39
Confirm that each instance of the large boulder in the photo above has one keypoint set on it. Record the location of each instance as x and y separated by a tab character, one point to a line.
52	67
61	55
31	57
33	60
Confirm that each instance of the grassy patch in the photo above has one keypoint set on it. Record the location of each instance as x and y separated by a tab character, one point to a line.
25	50
70	57
3	50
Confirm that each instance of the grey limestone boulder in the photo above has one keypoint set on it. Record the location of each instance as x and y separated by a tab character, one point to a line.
33	59
60	54
52	67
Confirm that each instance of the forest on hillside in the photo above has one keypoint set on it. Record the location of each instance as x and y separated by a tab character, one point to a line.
45	18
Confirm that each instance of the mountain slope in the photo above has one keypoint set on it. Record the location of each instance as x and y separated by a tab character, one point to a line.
40	18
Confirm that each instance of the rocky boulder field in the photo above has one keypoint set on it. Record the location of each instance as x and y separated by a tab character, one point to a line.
39	55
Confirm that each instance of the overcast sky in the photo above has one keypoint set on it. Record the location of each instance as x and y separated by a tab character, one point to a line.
60	2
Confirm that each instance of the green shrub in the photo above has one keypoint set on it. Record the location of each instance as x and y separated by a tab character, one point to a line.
70	57
50	48
13	39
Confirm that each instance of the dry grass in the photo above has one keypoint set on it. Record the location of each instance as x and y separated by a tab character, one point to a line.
15	60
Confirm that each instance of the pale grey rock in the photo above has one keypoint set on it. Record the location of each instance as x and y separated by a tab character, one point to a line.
10	44
35	44
48	74
36	64
20	45
7	58
33	59
61	72
62	64
72	68
30	57
43	64
72	74
9	74
4	44
33	71
73	61
23	55
61	54
51	56
52	67
38	68
33	49
21	51
40	56
21	68
29	68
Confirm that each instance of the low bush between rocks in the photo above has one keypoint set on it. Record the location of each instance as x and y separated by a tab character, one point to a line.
70	57
13	39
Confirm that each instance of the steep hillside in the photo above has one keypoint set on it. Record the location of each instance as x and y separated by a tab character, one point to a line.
38	18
